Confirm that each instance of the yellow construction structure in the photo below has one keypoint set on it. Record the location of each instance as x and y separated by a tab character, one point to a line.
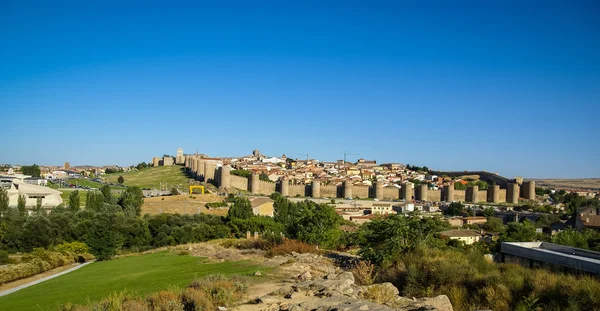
196	187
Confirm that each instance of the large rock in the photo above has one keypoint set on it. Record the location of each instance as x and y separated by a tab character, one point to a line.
441	303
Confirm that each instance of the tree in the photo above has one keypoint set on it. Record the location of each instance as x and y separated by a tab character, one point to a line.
384	239
74	201
3	202
38	206
94	201
493	224
241	208
489	212
455	209
120	179
37	232
102	240
131	200
32	170
519	232
106	193
571	237
21	205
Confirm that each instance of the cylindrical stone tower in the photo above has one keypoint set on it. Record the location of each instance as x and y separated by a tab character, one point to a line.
201	168
493	194
512	193
254	183
472	194
379	190
529	190
408	191
209	171
449	192
285	187
347	189
423	192
225	178
316	189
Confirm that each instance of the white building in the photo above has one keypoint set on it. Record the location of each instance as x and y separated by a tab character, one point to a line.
50	197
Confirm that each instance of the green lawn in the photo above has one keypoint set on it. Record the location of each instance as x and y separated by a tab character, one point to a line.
152	177
140	275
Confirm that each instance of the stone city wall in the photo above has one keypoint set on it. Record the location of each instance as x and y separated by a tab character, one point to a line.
434	195
266	187
330	191
460	195
297	190
482	196
391	193
239	182
360	191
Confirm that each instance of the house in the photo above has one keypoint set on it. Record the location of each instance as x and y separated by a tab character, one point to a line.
473	220
49	197
262	207
466	236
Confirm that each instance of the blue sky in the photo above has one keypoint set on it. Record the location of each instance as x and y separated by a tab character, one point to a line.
507	87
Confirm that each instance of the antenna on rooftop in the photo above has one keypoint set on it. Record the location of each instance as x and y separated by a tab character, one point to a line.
347	153
304	154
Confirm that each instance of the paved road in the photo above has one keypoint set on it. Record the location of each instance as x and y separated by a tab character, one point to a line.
12	290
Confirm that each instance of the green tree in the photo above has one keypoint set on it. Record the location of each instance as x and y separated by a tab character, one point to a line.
104	242
384	239
131	200
493	224
21	205
74	201
571	237
94	201
459	186
38	206
519	232
106	192
120	179
37	232
241	208
3	203
488	212
32	170
455	209
319	224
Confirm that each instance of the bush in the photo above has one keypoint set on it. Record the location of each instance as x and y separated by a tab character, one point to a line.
206	294
471	282
364	272
3	257
38	261
289	246
73	247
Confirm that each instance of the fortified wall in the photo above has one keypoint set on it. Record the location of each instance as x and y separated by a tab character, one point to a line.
212	170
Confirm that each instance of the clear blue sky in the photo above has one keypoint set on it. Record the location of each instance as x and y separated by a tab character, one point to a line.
508	87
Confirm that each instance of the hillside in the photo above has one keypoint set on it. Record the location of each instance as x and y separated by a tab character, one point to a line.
580	183
152	177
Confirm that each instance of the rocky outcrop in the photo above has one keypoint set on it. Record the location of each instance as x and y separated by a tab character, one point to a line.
337	291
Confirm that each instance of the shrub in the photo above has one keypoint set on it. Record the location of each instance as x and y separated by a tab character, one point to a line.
289	246
3	257
364	272
73	247
165	300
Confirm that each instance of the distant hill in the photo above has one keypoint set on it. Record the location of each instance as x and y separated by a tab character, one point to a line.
564	183
152	177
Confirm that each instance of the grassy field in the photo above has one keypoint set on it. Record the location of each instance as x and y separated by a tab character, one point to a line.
183	204
152	177
139	275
